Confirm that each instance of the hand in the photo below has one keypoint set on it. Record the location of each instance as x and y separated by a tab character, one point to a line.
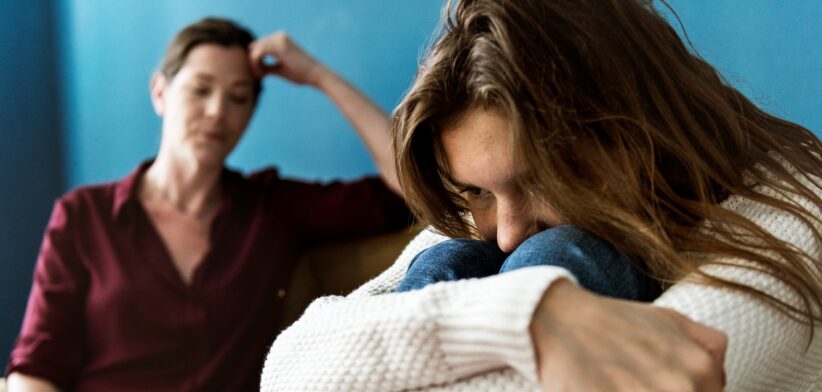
292	62
18	382
585	342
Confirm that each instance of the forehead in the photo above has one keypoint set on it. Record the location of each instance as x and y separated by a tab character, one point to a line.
478	148
218	62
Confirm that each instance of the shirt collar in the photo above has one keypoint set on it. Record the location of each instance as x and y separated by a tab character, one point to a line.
125	191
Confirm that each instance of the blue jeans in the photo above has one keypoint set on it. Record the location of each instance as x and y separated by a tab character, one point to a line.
596	264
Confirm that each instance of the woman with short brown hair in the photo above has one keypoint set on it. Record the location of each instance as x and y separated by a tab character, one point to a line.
173	278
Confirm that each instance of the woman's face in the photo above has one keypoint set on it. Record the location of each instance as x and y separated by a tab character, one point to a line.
207	105
478	149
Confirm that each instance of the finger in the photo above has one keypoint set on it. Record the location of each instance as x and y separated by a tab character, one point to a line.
276	69
276	43
714	343
255	55
712	340
704	369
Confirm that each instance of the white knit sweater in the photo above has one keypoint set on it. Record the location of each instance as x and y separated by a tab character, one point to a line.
472	335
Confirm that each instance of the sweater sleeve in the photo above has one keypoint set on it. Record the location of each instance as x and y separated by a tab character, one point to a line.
397	341
767	351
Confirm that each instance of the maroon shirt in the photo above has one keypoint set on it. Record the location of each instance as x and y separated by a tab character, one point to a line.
108	310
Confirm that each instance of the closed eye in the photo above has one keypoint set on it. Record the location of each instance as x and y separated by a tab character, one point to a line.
473	192
240	99
201	91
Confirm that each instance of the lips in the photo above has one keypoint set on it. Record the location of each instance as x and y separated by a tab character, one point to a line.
216	137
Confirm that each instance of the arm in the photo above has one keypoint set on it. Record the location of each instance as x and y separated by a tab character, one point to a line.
469	334
767	350
417	339
23	383
339	210
368	119
588	342
49	346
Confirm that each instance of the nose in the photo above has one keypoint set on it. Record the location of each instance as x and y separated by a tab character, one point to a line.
514	225
215	107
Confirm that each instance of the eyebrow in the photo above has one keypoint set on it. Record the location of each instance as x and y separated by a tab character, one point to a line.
210	78
459	185
204	76
464	186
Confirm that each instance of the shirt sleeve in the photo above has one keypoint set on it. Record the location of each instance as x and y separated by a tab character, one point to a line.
767	350
51	339
339	210
397	341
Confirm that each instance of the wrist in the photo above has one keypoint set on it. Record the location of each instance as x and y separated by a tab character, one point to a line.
562	299
320	77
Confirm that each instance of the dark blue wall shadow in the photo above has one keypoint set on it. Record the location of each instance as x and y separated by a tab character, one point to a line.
30	149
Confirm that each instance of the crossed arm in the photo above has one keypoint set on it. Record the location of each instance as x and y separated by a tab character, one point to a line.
470	335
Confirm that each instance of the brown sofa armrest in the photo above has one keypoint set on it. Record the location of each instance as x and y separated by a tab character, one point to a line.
339	268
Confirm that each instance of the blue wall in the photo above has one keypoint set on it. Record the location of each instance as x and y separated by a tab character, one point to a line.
770	50
75	109
114	46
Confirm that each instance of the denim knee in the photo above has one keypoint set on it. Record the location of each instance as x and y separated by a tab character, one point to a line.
452	260
595	263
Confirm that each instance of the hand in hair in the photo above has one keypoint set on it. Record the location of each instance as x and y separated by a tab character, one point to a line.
590	343
367	118
290	61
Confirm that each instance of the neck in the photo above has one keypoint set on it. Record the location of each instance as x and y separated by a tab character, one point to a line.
189	187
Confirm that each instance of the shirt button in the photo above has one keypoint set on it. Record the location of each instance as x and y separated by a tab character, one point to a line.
281	293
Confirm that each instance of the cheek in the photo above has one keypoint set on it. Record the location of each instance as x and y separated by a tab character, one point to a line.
550	217
185	110
178	114
239	119
486	222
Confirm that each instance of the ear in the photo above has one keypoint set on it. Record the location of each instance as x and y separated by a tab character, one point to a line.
157	86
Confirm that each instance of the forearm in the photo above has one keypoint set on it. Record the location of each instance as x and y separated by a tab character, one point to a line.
368	119
417	339
18	382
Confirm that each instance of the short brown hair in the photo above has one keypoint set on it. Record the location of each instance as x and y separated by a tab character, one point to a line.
209	30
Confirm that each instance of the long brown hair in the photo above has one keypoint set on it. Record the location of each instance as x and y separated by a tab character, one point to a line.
624	132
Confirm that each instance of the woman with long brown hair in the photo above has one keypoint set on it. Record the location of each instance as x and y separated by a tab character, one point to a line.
533	113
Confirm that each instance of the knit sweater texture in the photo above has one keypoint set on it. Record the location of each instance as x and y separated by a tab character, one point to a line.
472	335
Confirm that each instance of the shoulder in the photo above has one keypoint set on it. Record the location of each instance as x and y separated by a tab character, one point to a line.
84	198
89	192
270	178
269	181
781	211
264	176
